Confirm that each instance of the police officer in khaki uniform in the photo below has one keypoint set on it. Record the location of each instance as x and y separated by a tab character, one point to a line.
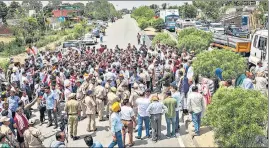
123	92
111	98
6	131
81	93
72	108
33	136
90	111
100	96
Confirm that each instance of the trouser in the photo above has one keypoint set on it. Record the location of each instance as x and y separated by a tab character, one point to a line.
50	111
83	107
13	114
140	125
148	84
138	41
156	124
127	127
100	108
151	85
73	122
170	121
118	141
42	113
91	122
178	119
196	119
101	39
144	42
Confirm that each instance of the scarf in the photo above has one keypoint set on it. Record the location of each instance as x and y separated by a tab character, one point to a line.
21	123
218	73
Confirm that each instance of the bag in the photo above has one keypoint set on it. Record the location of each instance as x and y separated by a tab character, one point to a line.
35	137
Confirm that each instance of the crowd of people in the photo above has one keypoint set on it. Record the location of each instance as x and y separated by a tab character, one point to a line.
128	87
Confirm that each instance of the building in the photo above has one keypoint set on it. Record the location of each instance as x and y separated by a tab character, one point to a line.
64	11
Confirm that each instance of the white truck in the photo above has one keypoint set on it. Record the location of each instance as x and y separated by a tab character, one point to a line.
259	49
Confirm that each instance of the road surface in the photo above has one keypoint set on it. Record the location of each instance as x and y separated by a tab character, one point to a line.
119	33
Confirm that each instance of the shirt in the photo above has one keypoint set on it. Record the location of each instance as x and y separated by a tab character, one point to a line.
25	100
116	124
156	107
176	95
142	104
247	84
50	100
126	113
13	102
171	105
195	102
97	144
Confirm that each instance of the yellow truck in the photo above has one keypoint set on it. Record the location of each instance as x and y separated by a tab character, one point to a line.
239	45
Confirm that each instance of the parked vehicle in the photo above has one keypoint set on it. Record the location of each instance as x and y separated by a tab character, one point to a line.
216	27
198	24
170	16
89	39
236	31
204	29
259	49
96	32
70	44
181	24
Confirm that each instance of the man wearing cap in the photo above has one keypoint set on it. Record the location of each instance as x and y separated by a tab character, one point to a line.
156	109
90	111
32	136
167	78
100	95
7	131
86	85
72	108
116	126
112	98
170	115
135	94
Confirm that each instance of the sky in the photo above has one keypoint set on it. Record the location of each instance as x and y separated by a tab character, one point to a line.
125	4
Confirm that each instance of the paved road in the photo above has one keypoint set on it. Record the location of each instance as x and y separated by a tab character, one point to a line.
121	32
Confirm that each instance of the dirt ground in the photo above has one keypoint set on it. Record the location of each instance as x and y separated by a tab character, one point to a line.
6	39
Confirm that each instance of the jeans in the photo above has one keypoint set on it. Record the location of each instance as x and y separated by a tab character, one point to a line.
140	125
177	121
118	140
196	119
50	112
170	121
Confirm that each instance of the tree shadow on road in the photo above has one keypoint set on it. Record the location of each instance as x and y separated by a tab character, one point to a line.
101	128
140	142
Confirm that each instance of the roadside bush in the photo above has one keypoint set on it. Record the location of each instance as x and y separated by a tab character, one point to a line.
231	63
170	42
160	37
192	42
238	117
4	63
143	23
158	24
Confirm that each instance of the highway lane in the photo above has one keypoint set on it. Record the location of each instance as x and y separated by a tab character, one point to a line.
119	33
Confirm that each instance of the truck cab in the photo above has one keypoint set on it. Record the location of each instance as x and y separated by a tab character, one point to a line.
259	49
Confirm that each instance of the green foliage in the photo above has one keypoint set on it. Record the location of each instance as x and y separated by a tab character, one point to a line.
194	39
101	10
231	63
4	63
238	117
193	42
163	38
143	23
158	24
209	8
188	11
143	12
3	11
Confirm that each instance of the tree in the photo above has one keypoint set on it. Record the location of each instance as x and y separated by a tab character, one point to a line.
158	24
80	8
13	9
153	6
32	5
164	5
238	117
209	8
193	43
188	11
143	11
163	38
3	11
231	63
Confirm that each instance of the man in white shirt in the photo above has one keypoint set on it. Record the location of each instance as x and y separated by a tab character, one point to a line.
143	115
128	120
196	106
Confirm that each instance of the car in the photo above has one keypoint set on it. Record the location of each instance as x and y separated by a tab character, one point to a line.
89	39
96	32
236	31
198	24
70	44
204	29
213	27
219	31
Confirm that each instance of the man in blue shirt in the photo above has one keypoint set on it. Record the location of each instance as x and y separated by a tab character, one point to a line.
13	102
51	103
89	141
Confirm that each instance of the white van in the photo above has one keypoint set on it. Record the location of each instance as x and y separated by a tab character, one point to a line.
259	48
